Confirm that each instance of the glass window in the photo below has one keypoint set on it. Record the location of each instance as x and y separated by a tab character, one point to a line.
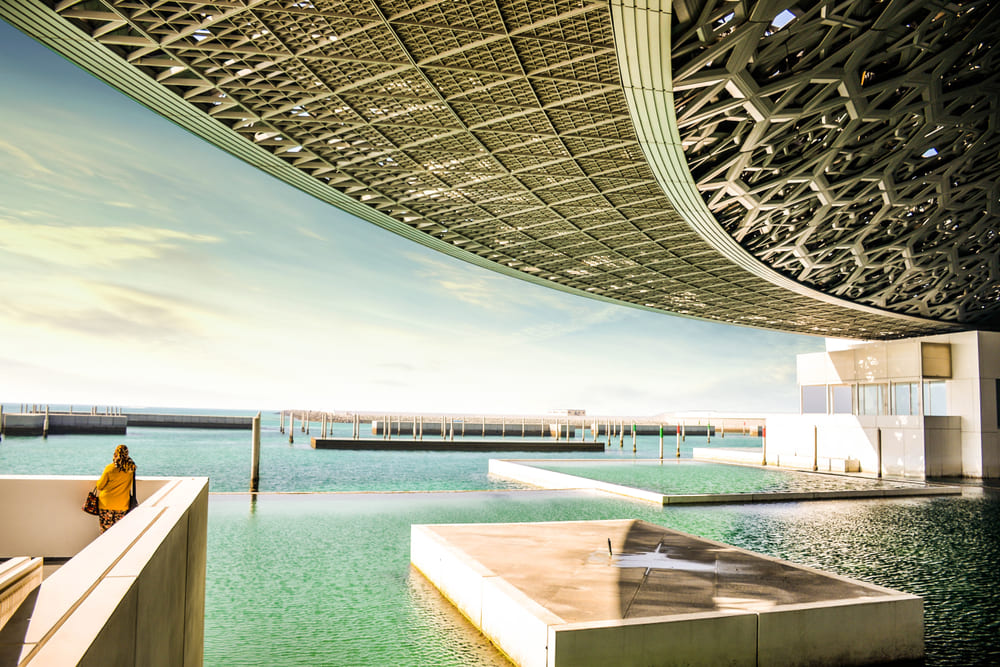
814	399
935	399
870	399
905	398
841	394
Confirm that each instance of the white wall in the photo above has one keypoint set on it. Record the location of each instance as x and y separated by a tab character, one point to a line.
133	596
43	515
910	447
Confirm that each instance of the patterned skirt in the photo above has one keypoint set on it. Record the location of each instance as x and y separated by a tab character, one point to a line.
110	517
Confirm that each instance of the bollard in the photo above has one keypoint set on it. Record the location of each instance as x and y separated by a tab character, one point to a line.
661	442
255	455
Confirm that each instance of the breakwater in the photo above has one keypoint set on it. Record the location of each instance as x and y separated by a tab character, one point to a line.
61	424
513	445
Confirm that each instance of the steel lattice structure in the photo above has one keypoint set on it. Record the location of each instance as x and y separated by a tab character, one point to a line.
504	133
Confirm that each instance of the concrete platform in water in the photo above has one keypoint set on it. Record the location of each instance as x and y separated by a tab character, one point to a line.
468	445
552	594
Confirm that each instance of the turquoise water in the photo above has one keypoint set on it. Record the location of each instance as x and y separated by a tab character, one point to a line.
324	579
224	457
686	476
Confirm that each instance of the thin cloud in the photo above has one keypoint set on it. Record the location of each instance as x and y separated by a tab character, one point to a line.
81	246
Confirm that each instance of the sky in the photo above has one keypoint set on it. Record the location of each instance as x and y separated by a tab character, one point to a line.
140	265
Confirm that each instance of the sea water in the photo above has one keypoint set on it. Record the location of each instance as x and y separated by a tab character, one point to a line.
324	578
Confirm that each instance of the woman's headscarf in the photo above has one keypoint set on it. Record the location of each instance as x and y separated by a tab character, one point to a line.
122	460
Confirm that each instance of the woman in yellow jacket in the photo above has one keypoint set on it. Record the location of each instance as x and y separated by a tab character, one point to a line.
115	487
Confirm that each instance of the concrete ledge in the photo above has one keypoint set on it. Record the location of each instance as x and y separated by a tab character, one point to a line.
551	594
18	578
525	471
706	639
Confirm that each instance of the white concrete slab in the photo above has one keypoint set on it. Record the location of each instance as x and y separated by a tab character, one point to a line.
553	594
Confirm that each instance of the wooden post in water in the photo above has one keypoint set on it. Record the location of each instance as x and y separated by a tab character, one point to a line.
414	427
503	426
45	424
522	427
723	427
255	455
633	437
683	433
281	422
305	422
763	446
1	420
484	426
621	434
451	430
677	431
815	448
661	442
421	420
878	450
708	432
388	427
444	431
291	427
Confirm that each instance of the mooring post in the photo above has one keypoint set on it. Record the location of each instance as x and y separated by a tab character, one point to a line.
451	429
305	422
661	442
414	427
815	448
503	426
723	433
388	429
291	427
607	429
421	421
45	424
633	437
878	449
683	432
621	434
484	426
677	432
255	455
522	427
1	420
322	428
763	446
708	432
